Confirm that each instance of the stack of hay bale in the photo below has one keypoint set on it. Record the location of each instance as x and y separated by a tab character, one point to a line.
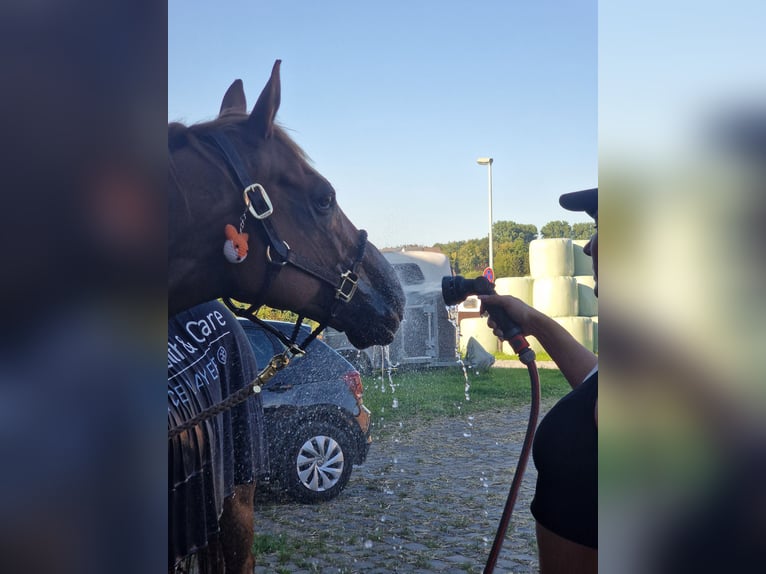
561	286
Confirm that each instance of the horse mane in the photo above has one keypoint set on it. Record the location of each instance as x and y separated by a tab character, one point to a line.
180	135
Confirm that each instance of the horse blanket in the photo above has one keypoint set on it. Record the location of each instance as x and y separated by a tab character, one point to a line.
209	357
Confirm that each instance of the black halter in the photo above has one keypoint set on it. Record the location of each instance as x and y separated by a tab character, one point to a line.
279	254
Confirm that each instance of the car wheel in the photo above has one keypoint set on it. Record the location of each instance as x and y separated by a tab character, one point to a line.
318	462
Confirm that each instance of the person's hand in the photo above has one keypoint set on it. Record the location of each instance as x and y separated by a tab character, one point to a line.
518	311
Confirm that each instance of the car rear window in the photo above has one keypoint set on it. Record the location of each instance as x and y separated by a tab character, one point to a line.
409	273
263	346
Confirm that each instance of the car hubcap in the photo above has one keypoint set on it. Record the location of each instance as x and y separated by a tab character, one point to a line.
320	463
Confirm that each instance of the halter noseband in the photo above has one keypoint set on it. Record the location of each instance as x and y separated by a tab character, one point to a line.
279	254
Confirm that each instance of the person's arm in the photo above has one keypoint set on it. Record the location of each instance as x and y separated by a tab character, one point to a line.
573	359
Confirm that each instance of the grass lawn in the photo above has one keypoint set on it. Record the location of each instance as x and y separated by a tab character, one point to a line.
442	392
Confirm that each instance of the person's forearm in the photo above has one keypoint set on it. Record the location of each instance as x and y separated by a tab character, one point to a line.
573	359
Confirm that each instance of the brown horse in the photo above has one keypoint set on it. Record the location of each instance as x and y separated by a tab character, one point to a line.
293	248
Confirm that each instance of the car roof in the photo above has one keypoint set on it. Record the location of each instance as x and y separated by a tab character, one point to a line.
284	326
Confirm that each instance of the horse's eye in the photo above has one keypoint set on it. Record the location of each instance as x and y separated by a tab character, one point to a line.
326	201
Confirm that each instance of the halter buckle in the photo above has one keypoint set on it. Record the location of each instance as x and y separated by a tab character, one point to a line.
345	291
284	256
264	196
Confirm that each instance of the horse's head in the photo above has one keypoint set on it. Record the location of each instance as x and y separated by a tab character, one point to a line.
304	255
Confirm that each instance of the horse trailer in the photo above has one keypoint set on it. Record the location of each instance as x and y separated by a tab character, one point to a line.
427	336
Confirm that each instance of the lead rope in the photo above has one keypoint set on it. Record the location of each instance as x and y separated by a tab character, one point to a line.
277	363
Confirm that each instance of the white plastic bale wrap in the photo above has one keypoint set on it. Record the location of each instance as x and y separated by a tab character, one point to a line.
583	264
476	327
519	287
555	296
551	258
586	296
595	333
581	328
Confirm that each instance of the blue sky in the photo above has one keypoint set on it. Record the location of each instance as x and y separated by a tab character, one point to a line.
394	101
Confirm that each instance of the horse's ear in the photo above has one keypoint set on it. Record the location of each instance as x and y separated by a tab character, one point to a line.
234	100
265	110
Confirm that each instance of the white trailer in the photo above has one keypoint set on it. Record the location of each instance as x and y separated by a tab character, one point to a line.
427	336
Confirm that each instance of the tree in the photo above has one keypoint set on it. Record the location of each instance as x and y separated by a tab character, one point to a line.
556	229
511	247
583	230
512	259
510	231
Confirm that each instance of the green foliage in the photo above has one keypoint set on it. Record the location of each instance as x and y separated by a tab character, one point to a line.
441	392
583	230
269	314
468	258
556	229
510	231
512	259
510	245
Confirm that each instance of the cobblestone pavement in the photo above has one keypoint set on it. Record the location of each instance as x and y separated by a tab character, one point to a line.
428	499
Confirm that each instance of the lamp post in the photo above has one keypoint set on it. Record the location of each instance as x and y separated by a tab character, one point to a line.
488	162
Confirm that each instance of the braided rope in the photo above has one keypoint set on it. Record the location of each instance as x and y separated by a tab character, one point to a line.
277	363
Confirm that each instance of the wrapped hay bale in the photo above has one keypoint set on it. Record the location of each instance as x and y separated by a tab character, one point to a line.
519	287
551	258
555	296
583	264
586	297
581	328
476	327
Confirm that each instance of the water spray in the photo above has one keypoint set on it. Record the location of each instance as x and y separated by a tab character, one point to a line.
455	290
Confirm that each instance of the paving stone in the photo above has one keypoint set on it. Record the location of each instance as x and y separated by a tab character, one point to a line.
420	503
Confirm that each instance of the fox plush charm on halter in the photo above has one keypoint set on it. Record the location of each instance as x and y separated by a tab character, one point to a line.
235	246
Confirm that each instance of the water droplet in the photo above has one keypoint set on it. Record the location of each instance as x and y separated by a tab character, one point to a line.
368	543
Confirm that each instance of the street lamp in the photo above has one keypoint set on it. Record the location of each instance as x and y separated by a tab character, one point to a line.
488	162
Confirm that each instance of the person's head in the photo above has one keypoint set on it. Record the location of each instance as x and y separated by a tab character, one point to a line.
587	201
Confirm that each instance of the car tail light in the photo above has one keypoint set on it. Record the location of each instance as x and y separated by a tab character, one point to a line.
354	382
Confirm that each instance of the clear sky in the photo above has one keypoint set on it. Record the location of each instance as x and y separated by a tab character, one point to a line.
394	101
